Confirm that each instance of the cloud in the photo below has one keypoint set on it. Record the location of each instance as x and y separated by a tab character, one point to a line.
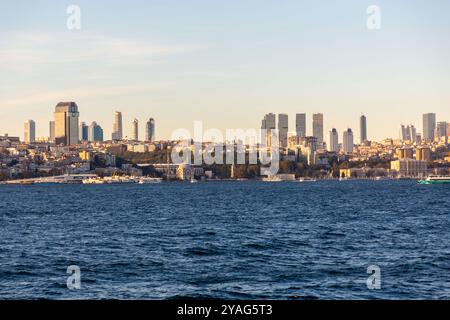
77	93
34	49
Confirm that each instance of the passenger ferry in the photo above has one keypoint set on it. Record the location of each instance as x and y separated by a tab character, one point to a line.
435	180
147	180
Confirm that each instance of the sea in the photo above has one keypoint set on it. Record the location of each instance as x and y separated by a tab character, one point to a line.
226	240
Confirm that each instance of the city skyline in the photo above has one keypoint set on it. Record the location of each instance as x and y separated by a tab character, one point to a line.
270	121
171	64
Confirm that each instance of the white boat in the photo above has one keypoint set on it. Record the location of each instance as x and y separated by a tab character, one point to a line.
306	180
435	180
272	179
147	180
93	181
194	180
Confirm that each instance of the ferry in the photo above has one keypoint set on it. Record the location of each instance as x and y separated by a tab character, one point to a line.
93	181
272	179
147	180
435	180
306	180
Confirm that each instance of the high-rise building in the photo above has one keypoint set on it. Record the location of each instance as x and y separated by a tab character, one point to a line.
134	136
318	128
334	141
412	133
117	133
363	129
84	132
408	133
267	125
29	131
51	131
66	123
429	126
150	130
95	132
347	143
441	131
300	125
283	129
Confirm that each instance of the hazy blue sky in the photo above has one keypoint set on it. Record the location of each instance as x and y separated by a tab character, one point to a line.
225	62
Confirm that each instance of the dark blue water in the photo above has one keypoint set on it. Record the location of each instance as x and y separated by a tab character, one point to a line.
240	240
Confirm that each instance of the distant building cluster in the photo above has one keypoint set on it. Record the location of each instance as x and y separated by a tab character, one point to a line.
81	148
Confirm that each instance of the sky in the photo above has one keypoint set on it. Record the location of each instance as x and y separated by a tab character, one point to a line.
225	63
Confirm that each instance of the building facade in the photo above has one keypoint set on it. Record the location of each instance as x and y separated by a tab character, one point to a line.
429	126
318	128
29	131
347	142
84	132
95	132
333	145
362	129
150	130
283	129
134	136
66	123
117	133
300	125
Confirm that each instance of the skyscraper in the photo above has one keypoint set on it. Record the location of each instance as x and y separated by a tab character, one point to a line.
347	143
283	128
150	130
441	131
29	131
300	125
412	133
134	136
117	133
318	128
267	125
84	132
334	141
363	129
429	125
51	131
66	123
95	132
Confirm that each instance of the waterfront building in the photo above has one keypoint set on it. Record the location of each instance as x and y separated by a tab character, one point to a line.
429	126
423	153
347	142
410	167
29	131
363	129
300	125
84	132
66	123
283	128
334	141
117	133
405	153
95	132
150	130
318	128
134	136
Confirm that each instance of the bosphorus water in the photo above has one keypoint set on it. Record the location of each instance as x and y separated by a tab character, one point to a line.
231	240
